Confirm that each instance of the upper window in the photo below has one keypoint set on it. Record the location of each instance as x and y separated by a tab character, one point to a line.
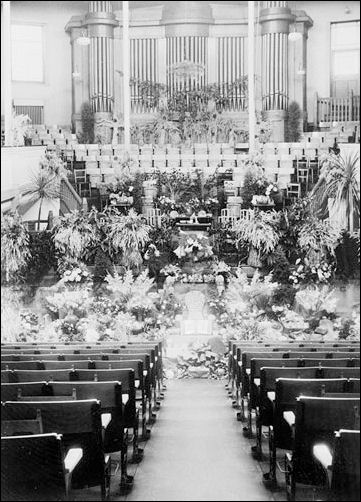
27	53
345	58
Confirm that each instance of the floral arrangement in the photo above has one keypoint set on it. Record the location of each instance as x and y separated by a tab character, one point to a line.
77	274
197	278
195	248
77	301
306	273
171	269
310	300
166	204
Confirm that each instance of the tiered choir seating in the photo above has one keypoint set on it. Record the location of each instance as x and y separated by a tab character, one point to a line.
111	387
302	395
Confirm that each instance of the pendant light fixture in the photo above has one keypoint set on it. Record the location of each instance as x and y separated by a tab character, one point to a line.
83	39
294	35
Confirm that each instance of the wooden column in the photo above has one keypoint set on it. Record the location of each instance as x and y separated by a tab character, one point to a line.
275	19
8	100
100	21
251	94
126	75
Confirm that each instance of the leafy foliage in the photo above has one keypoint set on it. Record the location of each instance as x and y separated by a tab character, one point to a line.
293	127
260	231
42	256
14	246
339	186
87	123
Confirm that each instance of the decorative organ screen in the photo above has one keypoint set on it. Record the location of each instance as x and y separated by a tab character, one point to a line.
192	49
231	69
143	68
36	113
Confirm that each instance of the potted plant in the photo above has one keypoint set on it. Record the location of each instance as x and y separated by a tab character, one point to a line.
21	129
261	234
14	245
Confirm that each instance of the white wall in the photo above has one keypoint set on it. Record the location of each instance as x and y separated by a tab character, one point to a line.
17	165
318	46
55	91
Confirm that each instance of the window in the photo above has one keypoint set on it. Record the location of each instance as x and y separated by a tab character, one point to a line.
27	53
345	58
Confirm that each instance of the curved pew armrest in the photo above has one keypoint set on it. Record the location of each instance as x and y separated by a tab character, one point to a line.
106	419
72	459
125	398
323	454
271	395
290	418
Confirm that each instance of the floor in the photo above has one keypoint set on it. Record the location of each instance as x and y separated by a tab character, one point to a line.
197	451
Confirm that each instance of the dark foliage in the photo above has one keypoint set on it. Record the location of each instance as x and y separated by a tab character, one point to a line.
103	266
87	122
293	128
42	256
347	260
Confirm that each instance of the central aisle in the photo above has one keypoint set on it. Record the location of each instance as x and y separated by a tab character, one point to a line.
197	451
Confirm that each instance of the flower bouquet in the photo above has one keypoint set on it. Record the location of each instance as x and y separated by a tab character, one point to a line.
194	248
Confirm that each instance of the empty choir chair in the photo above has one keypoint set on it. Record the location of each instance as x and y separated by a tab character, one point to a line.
200	148
269	149
80	152
42	462
271	166
297	150
159	160
105	162
80	424
341	462
106	150
283	148
293	190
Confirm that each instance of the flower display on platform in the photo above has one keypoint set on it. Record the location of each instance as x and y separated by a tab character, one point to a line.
195	247
306	273
77	274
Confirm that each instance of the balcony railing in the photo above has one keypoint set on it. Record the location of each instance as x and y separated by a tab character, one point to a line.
329	110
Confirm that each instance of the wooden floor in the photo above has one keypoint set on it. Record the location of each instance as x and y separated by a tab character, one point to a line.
197	452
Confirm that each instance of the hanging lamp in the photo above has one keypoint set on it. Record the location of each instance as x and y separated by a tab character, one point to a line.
83	39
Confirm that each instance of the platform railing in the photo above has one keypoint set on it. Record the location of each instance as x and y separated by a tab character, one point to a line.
330	110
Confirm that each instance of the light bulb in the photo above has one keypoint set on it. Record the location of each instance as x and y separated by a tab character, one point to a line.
293	36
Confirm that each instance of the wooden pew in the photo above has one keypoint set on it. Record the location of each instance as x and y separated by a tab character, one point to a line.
80	424
43	464
316	420
341	463
287	391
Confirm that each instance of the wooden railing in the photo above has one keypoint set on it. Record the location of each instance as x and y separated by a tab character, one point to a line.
69	198
329	110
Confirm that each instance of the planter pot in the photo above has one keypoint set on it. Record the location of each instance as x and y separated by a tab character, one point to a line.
253	258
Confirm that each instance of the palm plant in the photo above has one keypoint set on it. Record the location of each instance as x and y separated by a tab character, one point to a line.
339	182
43	187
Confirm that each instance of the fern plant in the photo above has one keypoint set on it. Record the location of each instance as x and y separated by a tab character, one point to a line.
293	127
127	235
73	235
260	232
14	245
